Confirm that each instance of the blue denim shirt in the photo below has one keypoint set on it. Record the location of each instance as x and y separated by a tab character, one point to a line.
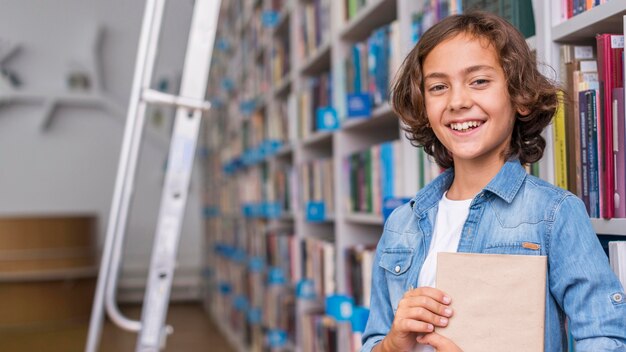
512	209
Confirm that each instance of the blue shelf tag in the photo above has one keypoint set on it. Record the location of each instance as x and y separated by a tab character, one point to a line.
240	303
359	318
256	264
305	289
272	210
326	119
239	255
391	203
247	107
276	338
270	18
315	211
227	84
276	276
359	105
211	212
339	307
254	316
225	288
222	44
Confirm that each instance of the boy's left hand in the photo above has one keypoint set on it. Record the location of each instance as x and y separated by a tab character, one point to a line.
440	343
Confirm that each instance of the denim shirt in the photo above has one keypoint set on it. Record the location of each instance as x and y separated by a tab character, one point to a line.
512	209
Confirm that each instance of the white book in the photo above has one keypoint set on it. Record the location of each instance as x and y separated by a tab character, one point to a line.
617	257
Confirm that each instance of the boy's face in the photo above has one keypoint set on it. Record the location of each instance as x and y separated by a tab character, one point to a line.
467	100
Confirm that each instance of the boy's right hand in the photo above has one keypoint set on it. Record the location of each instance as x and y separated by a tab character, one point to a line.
419	312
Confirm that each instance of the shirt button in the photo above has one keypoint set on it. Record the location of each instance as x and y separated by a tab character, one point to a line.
397	268
617	297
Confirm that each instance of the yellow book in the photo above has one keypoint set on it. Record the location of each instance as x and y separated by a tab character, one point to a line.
560	145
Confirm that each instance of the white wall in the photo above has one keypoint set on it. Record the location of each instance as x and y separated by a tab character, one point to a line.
70	166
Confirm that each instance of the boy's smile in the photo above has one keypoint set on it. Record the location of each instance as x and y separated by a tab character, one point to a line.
467	100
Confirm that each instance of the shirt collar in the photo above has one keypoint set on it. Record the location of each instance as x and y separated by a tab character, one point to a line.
505	185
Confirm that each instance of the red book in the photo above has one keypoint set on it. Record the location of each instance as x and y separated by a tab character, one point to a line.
610	66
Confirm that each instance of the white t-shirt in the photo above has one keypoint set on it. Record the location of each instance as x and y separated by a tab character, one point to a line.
451	216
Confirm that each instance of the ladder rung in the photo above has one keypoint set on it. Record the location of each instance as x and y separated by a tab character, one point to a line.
160	98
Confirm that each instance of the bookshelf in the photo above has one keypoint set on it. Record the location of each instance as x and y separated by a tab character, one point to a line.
276	60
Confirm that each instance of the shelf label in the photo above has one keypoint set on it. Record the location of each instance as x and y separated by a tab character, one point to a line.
225	288
272	210
276	276
240	303
270	18
359	318
256	264
276	338
326	119
391	203
359	105
339	307
254	316
315	211
305	289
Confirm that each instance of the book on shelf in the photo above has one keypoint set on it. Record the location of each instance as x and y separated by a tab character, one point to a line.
318	265
370	66
359	262
518	12
617	257
610	72
577	65
319	332
373	175
560	145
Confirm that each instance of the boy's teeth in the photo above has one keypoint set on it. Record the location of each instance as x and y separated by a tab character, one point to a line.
462	126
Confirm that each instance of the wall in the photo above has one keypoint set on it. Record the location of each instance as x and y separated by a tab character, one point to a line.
70	165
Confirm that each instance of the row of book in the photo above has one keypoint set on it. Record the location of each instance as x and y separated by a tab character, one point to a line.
314	28
384	171
316	184
316	94
518	12
280	62
570	8
371	64
589	131
431	12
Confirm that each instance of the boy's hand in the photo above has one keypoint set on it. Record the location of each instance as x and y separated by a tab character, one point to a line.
440	343
419	311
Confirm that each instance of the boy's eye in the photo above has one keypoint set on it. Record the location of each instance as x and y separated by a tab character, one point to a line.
437	88
480	82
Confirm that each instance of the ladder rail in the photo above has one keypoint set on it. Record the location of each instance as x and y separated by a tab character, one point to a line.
132	126
140	104
178	174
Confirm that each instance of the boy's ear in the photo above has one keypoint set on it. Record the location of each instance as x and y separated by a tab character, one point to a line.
522	110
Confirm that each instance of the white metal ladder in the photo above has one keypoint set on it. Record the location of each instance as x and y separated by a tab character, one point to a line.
189	107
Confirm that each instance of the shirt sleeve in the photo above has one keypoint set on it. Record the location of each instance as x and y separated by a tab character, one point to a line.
582	282
381	312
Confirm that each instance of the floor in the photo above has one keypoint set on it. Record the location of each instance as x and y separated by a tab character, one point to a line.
194	331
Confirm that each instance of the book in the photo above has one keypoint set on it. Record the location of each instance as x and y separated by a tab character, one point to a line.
498	301
617	257
610	66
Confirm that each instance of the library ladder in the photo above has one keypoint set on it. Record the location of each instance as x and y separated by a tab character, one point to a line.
190	104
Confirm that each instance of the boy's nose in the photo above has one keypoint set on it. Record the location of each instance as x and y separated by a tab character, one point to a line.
459	99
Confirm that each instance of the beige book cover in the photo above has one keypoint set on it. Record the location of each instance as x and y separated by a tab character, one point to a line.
498	301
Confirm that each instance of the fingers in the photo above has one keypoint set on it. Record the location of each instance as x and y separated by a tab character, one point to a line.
439	342
425	308
431	292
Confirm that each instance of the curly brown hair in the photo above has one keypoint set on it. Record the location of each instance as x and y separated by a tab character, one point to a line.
529	90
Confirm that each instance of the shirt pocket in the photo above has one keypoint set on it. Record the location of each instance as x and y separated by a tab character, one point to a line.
517	248
396	262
